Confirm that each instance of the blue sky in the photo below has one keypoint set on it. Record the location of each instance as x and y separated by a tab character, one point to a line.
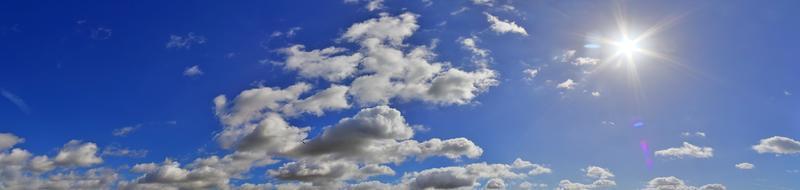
399	95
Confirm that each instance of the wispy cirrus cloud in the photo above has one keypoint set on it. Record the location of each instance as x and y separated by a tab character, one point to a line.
16	100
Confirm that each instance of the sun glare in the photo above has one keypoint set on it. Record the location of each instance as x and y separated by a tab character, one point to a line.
627	46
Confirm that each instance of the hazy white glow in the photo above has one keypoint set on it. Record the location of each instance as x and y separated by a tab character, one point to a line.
627	46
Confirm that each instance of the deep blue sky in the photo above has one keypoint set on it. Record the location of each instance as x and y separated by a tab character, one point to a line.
84	69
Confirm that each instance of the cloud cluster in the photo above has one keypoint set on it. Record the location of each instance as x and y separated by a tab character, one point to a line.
673	183
602	179
185	42
19	169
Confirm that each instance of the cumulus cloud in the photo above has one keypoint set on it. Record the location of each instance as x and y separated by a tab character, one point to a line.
601	175
504	26
459	177
77	153
392	69
745	166
8	140
567	84
673	183
535	169
687	150
530	74
778	145
185	42
326	63
192	71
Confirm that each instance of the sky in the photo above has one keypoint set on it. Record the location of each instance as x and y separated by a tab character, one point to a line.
390	94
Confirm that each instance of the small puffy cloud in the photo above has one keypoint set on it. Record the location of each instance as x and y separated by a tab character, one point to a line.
185	42
121	132
778	145
8	140
77	153
535	169
745	166
567	84
504	26
470	44
386	28
371	5
687	150
565	56
595	93
530	74
585	61
193	71
601	175
673	183
598	172
327	63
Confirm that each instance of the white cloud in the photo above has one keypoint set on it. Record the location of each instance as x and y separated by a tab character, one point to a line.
585	61
695	134
601	175
673	183
483	2
458	177
385	28
326	63
598	172
504	26
595	93
77	153
530	74
193	71
535	169
495	183
778	145
567	84
121	132
687	150
8	140
371	5
470	44
745	166
185	42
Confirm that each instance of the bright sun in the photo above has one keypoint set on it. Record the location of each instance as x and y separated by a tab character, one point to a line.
627	46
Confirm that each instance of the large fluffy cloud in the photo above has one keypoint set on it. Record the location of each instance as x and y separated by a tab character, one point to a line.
77	153
778	145
8	140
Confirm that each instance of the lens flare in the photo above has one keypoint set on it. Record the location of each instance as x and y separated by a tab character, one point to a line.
646	152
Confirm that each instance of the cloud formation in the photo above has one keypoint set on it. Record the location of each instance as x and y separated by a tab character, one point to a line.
778	145
687	150
504	26
673	183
